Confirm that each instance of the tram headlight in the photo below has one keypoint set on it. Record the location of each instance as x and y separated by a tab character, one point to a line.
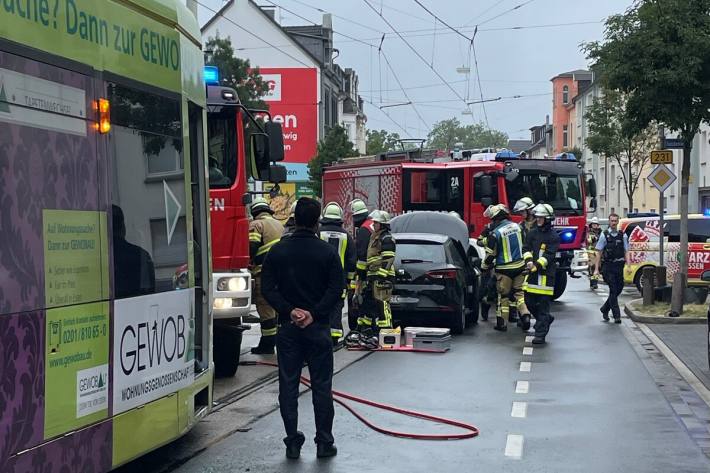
232	284
222	303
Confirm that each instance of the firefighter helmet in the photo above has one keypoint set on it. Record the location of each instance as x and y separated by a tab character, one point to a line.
380	216
333	211
526	203
544	210
498	211
358	207
260	205
593	220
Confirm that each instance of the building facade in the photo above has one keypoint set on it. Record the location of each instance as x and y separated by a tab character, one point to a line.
565	87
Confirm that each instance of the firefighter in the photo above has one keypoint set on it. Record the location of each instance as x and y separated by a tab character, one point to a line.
612	254
290	225
362	229
504	249
524	208
540	248
264	232
595	231
376	281
332	231
488	295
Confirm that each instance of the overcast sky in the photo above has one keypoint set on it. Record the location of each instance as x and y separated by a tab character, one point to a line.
510	62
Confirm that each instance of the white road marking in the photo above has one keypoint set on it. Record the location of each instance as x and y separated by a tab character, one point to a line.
525	366
527	350
514	446
522	387
520	409
529	339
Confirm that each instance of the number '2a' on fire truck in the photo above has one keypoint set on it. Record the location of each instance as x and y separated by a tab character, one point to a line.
411	180
242	144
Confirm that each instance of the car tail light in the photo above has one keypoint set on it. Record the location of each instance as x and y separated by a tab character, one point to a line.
442	274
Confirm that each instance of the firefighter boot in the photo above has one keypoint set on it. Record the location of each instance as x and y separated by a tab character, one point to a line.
525	322
538	340
513	314
500	325
266	346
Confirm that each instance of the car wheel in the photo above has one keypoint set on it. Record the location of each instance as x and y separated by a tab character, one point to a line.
638	279
226	350
458	318
474	308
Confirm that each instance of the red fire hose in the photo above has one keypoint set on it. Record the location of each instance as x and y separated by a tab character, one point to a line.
339	396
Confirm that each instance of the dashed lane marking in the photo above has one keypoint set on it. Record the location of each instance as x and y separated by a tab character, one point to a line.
514	446
529	339
522	387
525	366
520	409
527	351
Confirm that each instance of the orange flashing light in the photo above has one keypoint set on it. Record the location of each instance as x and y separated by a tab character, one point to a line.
104	124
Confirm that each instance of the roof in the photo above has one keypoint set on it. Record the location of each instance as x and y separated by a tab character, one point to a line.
230	3
430	237
580	74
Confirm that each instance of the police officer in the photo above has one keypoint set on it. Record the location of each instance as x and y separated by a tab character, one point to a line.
504	249
378	276
592	239
264	232
540	248
363	227
332	231
612	254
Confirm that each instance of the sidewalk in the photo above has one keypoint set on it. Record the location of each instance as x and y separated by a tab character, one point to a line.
690	344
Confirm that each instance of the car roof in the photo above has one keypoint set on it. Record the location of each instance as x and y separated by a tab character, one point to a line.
428	237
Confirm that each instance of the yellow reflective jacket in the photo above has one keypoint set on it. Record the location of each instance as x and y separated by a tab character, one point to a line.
264	232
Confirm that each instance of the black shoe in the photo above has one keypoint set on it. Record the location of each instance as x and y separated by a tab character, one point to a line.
500	325
262	350
538	340
605	315
513	318
525	322
617	320
325	450
293	446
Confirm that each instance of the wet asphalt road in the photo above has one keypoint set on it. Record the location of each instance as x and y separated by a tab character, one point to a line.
591	406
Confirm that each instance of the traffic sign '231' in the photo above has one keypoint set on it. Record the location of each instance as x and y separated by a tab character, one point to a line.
662	157
662	177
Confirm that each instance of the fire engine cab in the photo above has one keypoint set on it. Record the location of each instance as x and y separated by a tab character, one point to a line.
240	148
412	180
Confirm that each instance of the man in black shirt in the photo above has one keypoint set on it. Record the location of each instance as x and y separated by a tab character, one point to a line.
302	279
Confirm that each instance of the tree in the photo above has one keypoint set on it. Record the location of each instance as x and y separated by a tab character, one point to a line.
334	146
614	138
236	73
446	133
380	141
658	55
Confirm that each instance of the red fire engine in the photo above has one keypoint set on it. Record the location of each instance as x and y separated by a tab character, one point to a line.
240	148
417	180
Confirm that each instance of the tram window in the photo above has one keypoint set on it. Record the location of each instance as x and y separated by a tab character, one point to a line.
149	231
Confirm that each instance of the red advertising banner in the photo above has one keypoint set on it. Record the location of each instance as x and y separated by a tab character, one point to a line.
293	101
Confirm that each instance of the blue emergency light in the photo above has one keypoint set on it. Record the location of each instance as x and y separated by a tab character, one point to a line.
567	236
706	212
211	75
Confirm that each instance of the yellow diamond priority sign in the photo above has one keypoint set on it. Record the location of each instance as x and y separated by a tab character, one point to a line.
662	177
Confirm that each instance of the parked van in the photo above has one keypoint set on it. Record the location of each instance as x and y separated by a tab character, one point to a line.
644	233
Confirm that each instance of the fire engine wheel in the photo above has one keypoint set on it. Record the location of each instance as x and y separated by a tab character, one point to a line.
560	285
458	318
227	348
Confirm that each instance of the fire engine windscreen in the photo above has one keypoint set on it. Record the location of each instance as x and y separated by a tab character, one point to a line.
222	148
562	192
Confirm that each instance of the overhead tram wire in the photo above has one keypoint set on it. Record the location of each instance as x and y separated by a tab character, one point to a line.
215	12
478	79
320	10
416	52
517	7
495	4
395	122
